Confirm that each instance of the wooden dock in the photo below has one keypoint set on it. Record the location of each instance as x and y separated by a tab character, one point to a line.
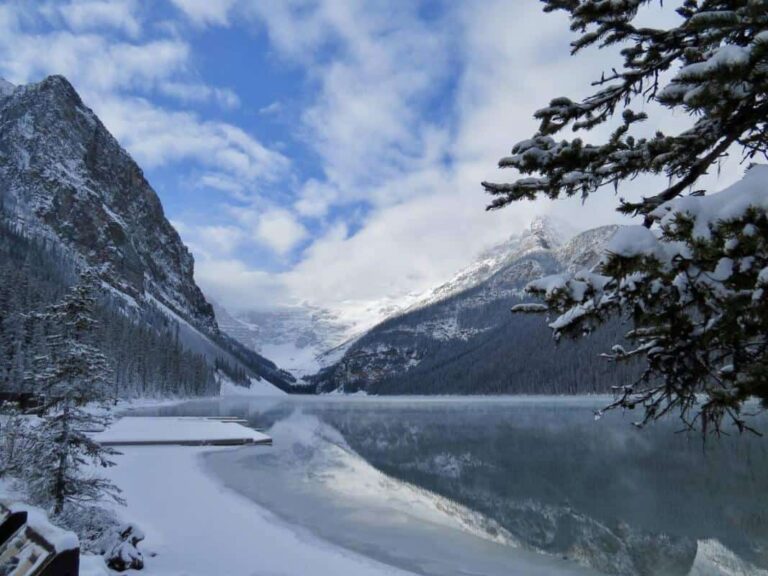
181	431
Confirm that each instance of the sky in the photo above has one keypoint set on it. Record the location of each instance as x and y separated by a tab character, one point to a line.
327	152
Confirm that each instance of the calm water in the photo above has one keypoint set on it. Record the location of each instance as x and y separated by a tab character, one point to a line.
503	486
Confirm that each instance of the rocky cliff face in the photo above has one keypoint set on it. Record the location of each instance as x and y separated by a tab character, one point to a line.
64	177
69	187
462	338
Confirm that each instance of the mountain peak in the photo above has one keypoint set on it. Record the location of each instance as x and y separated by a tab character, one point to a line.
57	82
68	178
542	234
6	88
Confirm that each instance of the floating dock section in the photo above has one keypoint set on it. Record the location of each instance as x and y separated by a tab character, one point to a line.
180	431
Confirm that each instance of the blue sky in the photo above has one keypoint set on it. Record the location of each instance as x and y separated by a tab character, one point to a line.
315	151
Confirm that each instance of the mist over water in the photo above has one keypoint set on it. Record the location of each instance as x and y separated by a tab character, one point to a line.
485	486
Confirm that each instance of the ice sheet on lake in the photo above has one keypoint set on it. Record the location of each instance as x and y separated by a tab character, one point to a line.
313	479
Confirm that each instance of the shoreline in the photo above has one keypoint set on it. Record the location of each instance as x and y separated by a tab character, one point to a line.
196	526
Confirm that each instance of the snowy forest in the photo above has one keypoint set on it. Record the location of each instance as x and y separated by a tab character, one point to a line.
146	357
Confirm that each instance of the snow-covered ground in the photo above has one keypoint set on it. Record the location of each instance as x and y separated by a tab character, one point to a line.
196	527
257	388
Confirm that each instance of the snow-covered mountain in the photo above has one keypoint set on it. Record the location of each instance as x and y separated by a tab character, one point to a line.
63	175
294	337
307	338
461	337
542	234
67	184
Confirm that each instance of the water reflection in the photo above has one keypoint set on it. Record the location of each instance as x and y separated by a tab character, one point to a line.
602	494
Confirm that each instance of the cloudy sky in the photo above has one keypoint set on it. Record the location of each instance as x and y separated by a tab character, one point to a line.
320	151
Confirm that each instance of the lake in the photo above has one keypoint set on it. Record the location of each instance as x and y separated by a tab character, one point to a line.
500	486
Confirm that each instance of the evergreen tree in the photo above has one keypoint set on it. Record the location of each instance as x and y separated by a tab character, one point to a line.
73	379
693	277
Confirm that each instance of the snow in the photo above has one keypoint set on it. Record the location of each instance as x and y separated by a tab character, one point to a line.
631	241
550	284
728	56
196	527
714	559
257	388
37	519
298	360
728	204
175	429
724	270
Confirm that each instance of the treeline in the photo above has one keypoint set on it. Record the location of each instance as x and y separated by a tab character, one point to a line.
142	346
517	357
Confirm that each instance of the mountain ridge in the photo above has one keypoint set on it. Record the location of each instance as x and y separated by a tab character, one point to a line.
63	171
426	347
66	182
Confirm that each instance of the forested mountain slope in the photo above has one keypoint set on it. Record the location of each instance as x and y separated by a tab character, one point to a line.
71	199
462	338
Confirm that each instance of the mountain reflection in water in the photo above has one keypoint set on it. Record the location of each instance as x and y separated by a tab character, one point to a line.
525	474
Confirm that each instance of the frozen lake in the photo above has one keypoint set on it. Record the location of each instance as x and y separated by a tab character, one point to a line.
500	486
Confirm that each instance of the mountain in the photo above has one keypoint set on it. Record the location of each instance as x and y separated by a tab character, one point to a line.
295	337
68	187
462	338
306	338
63	175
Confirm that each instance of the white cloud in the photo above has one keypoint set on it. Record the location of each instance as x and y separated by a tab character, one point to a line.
109	74
221	240
271	109
156	136
190	92
370	124
91	62
237	285
280	230
80	15
206	12
367	121
224	183
314	198
405	115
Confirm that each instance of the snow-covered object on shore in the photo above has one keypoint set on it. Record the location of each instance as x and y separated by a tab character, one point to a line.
37	520
122	552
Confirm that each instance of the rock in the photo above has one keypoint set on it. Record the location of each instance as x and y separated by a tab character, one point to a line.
124	553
